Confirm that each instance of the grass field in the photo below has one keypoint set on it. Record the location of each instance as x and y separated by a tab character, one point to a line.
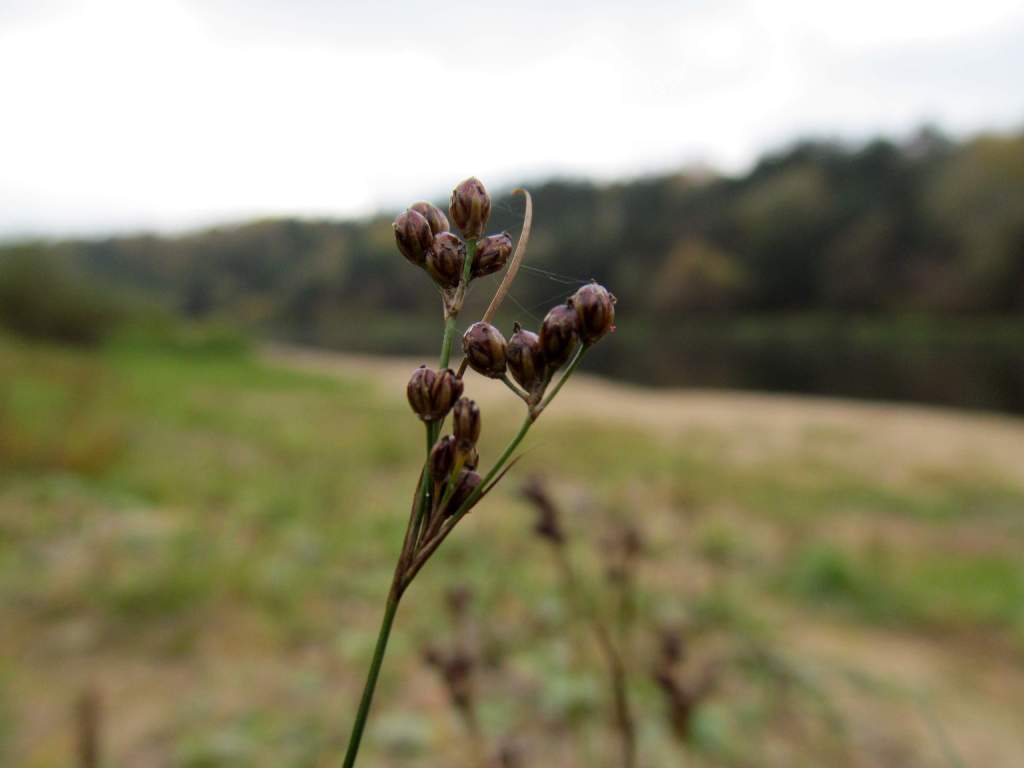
203	536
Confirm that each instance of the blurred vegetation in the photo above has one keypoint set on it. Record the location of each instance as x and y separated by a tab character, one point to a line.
204	537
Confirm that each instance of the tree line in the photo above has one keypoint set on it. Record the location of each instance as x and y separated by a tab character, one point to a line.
927	225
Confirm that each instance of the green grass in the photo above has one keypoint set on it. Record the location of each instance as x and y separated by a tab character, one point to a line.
191	509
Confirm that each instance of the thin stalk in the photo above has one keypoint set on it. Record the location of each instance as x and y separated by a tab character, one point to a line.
390	609
518	392
453	313
399	583
412	535
561	382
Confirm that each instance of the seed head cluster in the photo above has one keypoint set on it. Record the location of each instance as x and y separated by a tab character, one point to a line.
424	237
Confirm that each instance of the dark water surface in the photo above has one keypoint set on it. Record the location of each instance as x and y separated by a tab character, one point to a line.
966	370
976	364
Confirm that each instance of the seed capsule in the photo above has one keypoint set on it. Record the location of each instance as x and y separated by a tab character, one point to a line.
558	334
442	459
435	216
445	259
525	359
466	420
431	394
470	207
413	236
466	483
595	308
485	349
492	253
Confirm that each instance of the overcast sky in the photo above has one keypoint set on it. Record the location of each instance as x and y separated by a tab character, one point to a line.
136	114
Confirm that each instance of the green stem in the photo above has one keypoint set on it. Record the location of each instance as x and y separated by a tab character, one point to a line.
565	377
371	678
453	314
508	383
397	587
446	342
424	503
527	423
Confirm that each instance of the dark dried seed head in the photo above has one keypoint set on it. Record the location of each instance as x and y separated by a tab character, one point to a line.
595	308
525	359
445	259
459	599
466	420
672	646
418	390
434	216
470	208
485	349
558	335
431	394
548	521
413	236
442	459
492	254
466	483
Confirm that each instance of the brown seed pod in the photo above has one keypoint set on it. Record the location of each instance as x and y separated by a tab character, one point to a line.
492	254
442	459
466	483
434	216
431	394
558	334
595	308
466	420
445	259
485	349
470	208
413	236
525	359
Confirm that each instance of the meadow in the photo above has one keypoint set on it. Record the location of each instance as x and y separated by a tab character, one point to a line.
199	534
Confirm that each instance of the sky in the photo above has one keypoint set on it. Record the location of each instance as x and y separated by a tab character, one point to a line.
128	115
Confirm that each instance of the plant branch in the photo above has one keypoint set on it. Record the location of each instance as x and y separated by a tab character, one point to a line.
359	725
513	267
516	390
561	382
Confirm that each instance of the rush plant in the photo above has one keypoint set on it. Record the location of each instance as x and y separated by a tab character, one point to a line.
450	484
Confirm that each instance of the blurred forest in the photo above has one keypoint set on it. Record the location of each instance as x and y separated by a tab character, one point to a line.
881	270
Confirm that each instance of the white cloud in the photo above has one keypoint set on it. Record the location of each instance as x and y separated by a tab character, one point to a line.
128	114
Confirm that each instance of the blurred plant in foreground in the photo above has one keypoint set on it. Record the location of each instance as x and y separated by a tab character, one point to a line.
449	485
622	553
